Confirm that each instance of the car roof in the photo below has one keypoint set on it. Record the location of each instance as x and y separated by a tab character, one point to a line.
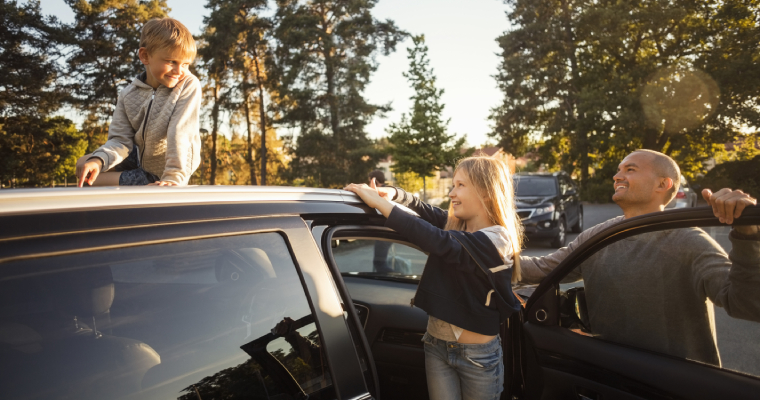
546	174
61	199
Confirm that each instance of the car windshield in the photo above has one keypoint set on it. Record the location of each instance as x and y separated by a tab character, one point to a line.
535	186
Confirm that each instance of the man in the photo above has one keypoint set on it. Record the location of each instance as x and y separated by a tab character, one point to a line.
650	290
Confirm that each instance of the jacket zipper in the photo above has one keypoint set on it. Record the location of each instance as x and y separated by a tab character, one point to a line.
145	125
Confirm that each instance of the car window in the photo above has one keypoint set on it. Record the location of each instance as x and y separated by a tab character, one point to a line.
535	186
200	319
692	293
378	256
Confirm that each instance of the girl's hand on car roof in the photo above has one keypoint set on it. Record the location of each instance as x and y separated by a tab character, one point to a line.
162	183
371	196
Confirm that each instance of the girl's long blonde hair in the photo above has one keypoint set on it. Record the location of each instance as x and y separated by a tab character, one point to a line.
492	180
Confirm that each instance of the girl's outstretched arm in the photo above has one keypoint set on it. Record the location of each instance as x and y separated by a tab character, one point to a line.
372	197
434	215
428	237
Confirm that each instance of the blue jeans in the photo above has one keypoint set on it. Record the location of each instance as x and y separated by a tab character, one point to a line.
458	371
131	172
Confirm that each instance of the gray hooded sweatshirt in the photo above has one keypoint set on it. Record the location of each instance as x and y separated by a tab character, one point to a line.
163	123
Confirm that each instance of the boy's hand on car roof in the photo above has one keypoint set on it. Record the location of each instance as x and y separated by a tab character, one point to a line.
88	172
162	183
728	205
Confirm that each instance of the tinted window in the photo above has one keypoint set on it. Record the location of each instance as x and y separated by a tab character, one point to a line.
378	256
210	319
535	186
691	293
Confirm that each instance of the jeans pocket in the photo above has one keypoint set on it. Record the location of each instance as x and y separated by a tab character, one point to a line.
483	359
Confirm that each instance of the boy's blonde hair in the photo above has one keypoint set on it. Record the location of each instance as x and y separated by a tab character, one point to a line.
493	182
168	33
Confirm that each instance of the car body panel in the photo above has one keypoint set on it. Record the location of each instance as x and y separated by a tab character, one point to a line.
559	362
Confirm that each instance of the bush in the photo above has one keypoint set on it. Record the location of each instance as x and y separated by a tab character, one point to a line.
445	204
598	191
744	175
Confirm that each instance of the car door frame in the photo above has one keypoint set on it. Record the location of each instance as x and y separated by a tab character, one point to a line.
553	353
510	331
316	280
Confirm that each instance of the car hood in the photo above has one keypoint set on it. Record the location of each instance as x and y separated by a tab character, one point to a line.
523	202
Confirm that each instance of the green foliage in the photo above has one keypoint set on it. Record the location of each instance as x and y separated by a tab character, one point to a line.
322	61
598	191
232	164
37	152
743	174
594	81
748	148
410	181
104	41
420	143
28	52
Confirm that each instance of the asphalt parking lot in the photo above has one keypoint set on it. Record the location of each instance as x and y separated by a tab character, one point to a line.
593	214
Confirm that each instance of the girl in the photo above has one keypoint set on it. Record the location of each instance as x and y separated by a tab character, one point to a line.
466	300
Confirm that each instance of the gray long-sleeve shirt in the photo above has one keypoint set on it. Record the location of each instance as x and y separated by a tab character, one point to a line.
651	291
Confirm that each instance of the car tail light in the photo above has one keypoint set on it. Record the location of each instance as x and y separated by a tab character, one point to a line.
681	195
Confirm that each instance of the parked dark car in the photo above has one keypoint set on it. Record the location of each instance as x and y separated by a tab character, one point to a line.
200	293
548	204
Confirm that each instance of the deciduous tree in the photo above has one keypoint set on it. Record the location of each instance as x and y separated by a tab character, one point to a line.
606	77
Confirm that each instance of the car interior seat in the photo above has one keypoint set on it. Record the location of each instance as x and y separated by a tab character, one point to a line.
242	277
72	358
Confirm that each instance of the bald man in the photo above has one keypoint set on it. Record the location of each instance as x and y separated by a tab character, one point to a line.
649	291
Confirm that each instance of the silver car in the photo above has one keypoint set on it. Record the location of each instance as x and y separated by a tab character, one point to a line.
686	196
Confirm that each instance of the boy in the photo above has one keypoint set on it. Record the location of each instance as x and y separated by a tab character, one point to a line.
153	138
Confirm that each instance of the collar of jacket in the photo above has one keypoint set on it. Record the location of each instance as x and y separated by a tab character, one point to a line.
141	81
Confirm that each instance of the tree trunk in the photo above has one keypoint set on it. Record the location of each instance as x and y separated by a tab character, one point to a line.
424	189
581	135
214	132
249	157
262	117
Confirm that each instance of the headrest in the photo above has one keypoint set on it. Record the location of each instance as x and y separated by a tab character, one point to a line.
86	292
246	265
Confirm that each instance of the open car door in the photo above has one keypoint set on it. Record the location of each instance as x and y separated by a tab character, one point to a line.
611	323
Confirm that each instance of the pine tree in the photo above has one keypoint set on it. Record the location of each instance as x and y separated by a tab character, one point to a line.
35	148
321	64
104	41
420	142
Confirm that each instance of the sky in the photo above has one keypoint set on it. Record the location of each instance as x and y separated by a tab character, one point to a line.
461	37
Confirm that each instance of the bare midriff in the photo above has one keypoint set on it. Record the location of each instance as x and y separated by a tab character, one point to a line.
469	337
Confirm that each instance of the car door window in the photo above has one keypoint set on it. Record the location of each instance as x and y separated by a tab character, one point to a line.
377	256
692	293
198	319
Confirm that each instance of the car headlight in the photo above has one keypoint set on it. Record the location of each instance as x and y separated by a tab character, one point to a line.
544	210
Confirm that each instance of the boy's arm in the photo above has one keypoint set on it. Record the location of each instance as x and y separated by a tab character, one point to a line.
183	147
121	137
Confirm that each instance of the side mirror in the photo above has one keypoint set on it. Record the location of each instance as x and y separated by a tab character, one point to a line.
571	192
